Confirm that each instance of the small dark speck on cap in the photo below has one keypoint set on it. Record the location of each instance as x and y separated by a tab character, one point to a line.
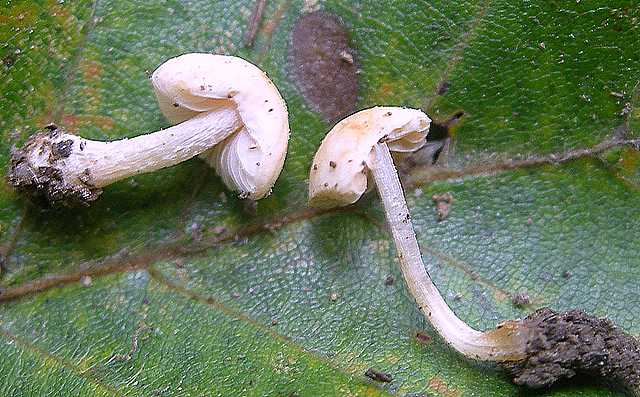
175	105
332	164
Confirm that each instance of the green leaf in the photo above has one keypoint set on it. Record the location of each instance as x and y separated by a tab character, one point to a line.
169	285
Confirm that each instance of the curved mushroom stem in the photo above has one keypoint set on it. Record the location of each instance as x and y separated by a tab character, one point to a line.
508	342
64	167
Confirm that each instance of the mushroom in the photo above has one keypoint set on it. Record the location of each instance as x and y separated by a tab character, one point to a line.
228	111
360	145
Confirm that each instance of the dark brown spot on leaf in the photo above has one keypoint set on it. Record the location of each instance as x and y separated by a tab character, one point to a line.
378	375
443	87
9	59
422	337
323	65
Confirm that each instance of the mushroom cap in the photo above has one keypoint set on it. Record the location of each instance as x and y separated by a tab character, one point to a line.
339	172
250	160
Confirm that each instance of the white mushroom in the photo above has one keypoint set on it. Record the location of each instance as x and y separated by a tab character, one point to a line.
228	109
251	160
360	144
339	171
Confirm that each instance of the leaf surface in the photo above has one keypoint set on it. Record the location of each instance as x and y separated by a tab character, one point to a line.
169	285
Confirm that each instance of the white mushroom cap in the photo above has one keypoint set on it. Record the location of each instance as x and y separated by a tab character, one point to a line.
250	160
340	167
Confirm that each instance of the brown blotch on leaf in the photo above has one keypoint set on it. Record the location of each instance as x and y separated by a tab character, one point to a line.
324	67
563	345
442	388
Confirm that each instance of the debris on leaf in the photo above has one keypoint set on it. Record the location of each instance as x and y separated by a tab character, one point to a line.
389	280
378	375
333	297
626	109
521	299
85	281
422	337
443	205
346	57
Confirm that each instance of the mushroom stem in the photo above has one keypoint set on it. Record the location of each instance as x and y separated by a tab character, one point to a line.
505	343
109	162
68	167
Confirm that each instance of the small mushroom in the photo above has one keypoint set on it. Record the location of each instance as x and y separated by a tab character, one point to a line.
536	351
340	168
360	145
225	109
